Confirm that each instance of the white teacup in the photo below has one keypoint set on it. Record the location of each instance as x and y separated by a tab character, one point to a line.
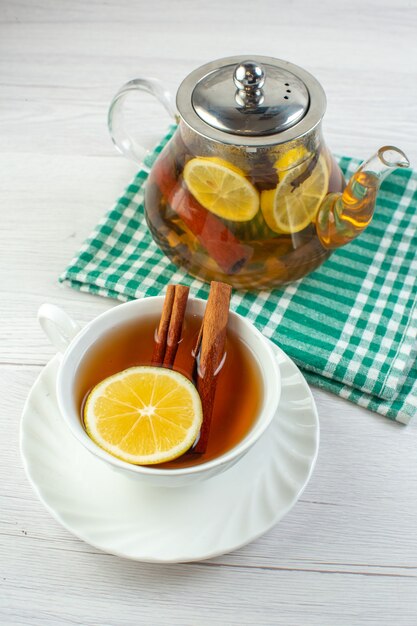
66	336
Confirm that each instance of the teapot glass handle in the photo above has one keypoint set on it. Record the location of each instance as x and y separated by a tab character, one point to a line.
121	138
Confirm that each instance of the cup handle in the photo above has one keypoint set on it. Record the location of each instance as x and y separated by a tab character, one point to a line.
121	138
57	325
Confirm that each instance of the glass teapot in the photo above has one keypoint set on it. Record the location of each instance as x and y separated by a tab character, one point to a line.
246	190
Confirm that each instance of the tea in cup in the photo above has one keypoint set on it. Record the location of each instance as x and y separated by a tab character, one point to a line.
123	339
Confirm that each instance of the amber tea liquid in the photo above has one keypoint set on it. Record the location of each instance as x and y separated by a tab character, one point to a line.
264	258
239	388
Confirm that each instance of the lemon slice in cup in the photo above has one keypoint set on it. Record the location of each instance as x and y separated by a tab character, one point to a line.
144	415
221	188
291	207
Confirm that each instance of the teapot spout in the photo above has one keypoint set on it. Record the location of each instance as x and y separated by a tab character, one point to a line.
343	216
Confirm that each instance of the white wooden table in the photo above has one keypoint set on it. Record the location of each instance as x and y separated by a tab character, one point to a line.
347	553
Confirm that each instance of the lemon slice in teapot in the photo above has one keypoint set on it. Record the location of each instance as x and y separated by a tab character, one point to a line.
294	203
291	158
221	188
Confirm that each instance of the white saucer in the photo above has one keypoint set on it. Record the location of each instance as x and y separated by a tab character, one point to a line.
122	516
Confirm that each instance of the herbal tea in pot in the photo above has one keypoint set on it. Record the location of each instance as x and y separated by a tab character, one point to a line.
246	190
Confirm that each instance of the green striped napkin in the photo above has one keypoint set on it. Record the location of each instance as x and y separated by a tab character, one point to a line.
351	325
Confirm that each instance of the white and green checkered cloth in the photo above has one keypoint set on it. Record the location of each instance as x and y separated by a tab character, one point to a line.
350	326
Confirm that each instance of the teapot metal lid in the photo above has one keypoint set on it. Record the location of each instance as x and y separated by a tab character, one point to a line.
258	102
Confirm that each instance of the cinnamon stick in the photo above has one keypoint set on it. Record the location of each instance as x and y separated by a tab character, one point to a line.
170	326
213	235
211	343
176	324
162	332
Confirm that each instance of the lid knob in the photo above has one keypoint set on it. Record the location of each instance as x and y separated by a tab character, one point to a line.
249	78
